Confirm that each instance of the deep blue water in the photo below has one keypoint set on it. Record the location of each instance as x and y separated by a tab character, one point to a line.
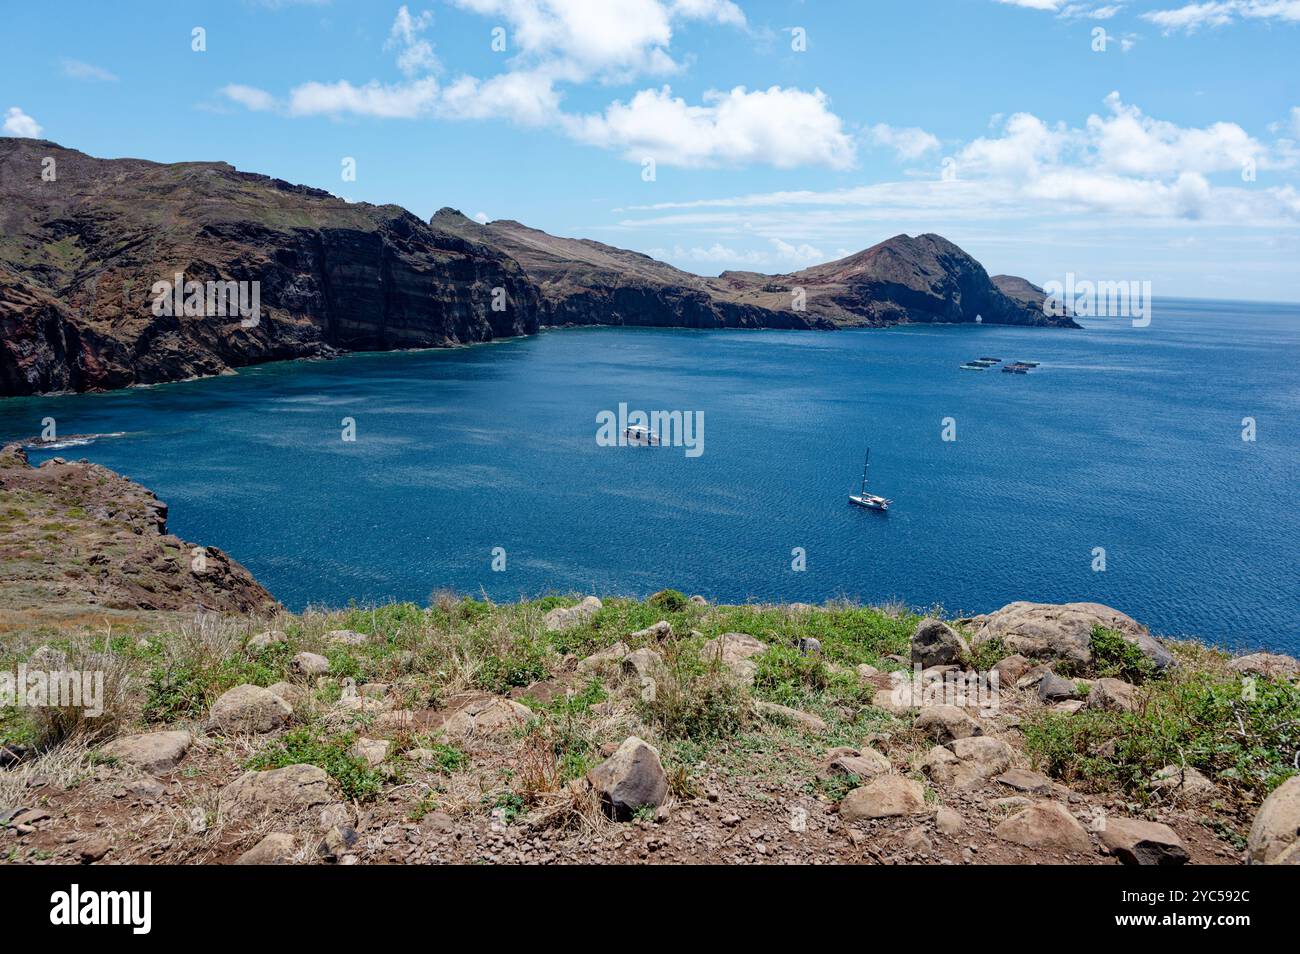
1126	438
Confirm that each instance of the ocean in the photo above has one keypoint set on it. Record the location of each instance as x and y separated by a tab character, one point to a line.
1114	472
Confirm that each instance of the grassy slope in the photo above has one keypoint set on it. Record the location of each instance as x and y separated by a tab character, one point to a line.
1199	716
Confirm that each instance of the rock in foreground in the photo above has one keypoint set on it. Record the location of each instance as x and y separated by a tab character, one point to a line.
630	780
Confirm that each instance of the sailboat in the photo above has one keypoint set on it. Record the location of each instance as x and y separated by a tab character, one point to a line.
864	499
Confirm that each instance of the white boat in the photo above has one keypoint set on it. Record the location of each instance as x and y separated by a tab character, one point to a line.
641	436
864	499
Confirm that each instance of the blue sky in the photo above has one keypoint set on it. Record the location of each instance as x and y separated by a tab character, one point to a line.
1170	155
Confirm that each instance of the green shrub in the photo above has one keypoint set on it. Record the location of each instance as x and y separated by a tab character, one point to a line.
1116	657
304	745
448	758
696	703
522	664
670	601
175	691
1247	744
787	675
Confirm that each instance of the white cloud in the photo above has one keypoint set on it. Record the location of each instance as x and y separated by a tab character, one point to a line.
521	97
399	101
576	40
1069	11
1087	11
1121	164
718	256
18	123
1034	4
781	127
1218	13
558	42
250	97
415	54
86	71
1128	142
909	142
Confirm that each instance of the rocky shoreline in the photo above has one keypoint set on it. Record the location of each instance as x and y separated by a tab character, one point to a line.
591	730
82	258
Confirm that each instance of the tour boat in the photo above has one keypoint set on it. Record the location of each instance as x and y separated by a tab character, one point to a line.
642	435
864	499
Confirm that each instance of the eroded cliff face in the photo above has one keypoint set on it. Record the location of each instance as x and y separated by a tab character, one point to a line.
81	543
81	256
86	244
903	279
582	282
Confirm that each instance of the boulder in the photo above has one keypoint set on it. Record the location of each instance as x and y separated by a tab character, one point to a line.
605	659
486	717
809	645
294	695
1277	824
338	839
1033	676
152	752
1050	631
948	822
346	637
804	720
1045	825
1023	780
986	755
568	617
965	763
889	796
1269	665
371	751
1183	783
649	689
309	664
1137	842
250	709
659	632
267	639
865	764
736	651
900	697
935	643
945	723
1054	688
1114	694
294	786
1011	669
145	789
629	780
277	848
642	663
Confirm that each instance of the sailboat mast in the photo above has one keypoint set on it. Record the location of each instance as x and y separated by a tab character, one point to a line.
865	461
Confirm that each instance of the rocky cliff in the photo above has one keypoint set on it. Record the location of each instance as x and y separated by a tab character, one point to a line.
83	545
80	256
903	279
86	242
